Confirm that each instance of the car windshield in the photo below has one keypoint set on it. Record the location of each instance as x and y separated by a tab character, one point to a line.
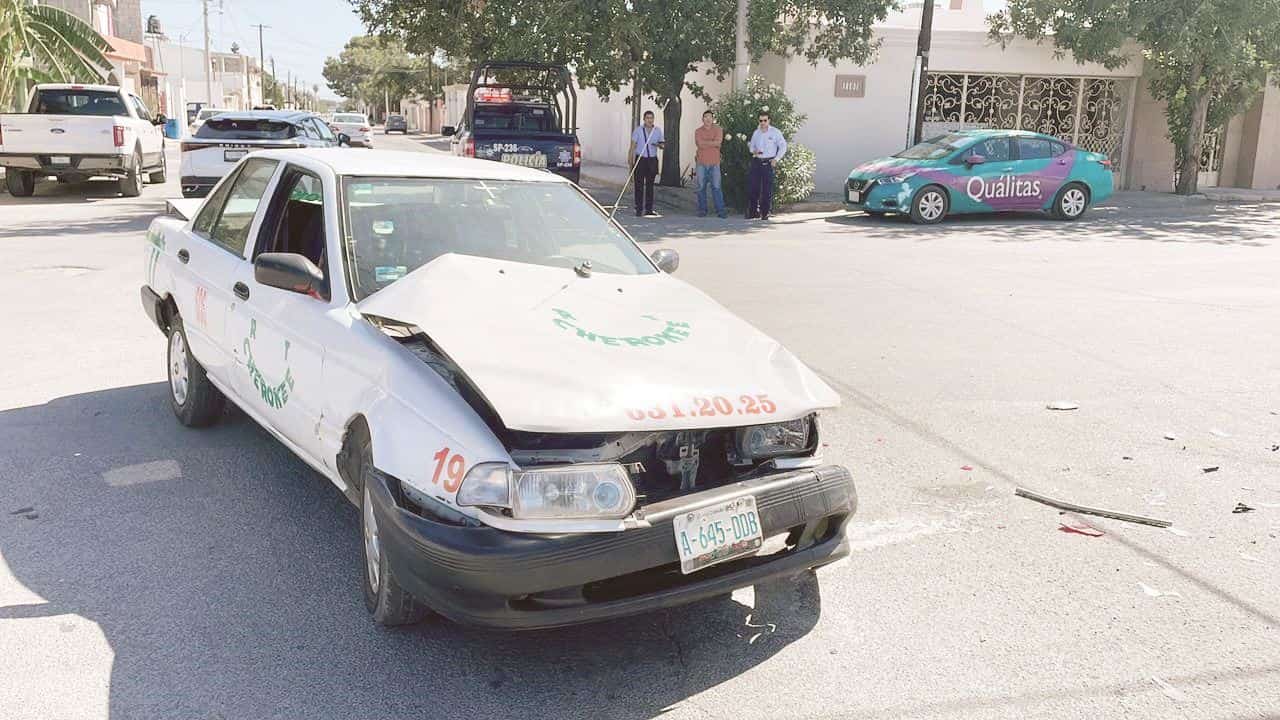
935	148
514	117
395	225
246	129
79	102
209	112
359	119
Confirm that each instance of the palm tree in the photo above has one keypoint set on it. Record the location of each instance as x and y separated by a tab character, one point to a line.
40	44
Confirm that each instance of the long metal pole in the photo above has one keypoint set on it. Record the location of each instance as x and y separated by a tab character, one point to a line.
923	45
262	63
208	65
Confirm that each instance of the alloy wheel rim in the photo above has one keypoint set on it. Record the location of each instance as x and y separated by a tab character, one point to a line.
178	378
1073	202
372	548
931	206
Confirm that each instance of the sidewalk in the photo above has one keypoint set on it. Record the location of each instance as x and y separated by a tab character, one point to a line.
684	199
1228	194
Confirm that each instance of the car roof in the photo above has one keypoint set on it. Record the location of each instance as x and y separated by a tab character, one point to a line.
284	115
77	86
994	132
408	163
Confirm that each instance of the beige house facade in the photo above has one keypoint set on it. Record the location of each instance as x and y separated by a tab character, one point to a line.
857	113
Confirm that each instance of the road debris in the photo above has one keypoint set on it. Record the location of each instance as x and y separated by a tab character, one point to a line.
1178	531
1062	405
22	511
1274	447
1152	592
1085	510
1170	436
1125	457
966	467
1241	508
1172	692
1156	499
1080	529
1220	433
1209	469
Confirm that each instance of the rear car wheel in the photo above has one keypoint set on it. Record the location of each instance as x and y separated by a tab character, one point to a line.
1071	202
159	176
131	183
929	205
389	603
21	183
195	401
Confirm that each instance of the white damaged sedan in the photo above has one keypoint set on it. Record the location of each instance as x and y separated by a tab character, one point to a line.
539	424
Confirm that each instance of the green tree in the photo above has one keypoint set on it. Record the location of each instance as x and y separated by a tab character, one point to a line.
1208	59
370	69
40	44
611	43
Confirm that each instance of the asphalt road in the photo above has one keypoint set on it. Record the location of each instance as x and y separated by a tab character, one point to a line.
151	571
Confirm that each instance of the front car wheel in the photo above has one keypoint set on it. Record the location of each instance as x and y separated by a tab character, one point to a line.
929	205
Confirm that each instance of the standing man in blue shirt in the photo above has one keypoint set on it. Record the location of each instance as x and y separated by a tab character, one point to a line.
767	148
646	141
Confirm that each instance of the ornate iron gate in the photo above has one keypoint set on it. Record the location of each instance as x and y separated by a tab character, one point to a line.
1087	112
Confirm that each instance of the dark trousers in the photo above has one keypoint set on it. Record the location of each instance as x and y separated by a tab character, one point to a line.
759	188
646	173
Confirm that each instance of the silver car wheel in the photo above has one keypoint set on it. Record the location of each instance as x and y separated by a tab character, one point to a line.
179	381
1073	202
932	205
372	548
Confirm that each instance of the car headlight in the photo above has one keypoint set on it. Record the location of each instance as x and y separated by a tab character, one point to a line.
765	441
895	179
595	491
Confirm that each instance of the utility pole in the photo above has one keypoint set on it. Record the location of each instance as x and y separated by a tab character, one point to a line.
288	82
208	65
922	69
262	61
275	85
182	74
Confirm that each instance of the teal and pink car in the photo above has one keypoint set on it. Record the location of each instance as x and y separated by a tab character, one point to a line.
982	171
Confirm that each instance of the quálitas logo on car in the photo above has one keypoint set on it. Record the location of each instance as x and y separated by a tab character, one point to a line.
672	332
1005	186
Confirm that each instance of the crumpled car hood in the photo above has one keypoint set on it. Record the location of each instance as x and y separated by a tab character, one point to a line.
554	352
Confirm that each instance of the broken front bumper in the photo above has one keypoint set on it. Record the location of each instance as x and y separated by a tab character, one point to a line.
484	576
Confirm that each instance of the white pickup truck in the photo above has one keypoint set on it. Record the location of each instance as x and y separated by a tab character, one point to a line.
75	132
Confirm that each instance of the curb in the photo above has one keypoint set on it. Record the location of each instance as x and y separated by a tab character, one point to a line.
684	198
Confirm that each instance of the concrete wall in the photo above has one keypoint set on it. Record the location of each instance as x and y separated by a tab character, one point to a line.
1259	166
1150	158
849	131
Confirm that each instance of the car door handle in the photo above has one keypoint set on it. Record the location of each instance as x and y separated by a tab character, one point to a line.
241	290
183	256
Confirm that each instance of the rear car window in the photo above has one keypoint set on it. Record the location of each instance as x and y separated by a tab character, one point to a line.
513	117
78	102
246	129
350	119
1037	149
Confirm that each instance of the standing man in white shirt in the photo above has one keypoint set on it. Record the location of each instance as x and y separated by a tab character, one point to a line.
646	141
767	148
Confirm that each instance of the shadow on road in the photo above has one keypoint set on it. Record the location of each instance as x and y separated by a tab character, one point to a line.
224	574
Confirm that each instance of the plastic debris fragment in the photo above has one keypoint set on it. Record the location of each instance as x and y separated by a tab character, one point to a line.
1241	508
1062	405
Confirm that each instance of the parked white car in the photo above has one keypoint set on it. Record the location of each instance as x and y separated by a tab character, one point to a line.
221	141
354	126
539	424
203	115
75	132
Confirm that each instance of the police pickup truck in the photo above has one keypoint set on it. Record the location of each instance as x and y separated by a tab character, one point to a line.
521	113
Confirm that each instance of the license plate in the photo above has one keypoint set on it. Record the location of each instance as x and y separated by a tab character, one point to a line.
233	155
717	533
525	160
60	160
855	196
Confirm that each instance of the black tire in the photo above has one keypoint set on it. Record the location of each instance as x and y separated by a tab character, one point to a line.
1071	202
201	403
131	183
159	176
388	602
20	183
930	205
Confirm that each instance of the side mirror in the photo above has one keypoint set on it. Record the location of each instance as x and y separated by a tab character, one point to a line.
159	119
975	159
448	130
344	139
288	271
666	259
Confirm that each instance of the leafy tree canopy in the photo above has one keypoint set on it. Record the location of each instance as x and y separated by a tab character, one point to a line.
1207	59
370	68
42	44
610	43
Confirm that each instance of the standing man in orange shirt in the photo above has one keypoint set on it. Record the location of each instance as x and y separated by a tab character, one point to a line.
708	138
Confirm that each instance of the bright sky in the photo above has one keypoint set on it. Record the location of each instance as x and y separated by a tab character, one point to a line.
301	35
